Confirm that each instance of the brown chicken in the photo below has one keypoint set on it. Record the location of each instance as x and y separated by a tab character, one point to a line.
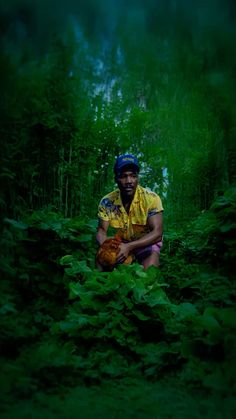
108	251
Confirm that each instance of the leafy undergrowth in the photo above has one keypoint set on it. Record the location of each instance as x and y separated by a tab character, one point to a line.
127	398
65	325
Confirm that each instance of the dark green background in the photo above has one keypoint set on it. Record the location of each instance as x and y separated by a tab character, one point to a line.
81	82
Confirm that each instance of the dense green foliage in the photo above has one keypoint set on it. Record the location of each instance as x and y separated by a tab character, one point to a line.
82	81
64	323
155	78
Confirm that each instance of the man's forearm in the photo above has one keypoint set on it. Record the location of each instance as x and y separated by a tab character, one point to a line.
101	237
150	238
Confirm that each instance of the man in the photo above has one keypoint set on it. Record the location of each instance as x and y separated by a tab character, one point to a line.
134	212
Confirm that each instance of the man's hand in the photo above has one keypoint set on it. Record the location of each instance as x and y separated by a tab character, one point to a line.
124	250
112	252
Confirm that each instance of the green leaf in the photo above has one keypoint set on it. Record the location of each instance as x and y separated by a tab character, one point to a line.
92	224
227	316
227	227
141	274
77	289
116	305
138	292
17	224
78	267
65	326
208	322
156	296
84	238
7	308
185	311
67	260
140	315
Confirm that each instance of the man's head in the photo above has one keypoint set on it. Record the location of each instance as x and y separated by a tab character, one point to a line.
126	174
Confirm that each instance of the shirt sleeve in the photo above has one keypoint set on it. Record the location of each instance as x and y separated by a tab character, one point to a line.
103	212
155	206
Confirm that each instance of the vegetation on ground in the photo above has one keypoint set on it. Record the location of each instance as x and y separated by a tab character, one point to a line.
64	324
82	81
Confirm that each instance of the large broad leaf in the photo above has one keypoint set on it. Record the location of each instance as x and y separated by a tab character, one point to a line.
67	260
45	226
77	268
140	315
16	224
184	311
156	296
210	322
225	316
92	224
84	238
141	274
152	353
116	305
139	291
207	322
229	226
78	290
221	202
228	317
7	308
66	326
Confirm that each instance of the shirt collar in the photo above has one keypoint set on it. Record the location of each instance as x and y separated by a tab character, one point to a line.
117	200
136	198
137	195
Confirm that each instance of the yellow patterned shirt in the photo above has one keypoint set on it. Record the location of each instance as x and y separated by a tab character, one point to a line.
133	225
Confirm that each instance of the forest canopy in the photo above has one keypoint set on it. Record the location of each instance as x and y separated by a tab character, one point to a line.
81	82
84	81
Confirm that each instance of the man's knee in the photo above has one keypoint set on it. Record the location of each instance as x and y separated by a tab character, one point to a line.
151	260
98	266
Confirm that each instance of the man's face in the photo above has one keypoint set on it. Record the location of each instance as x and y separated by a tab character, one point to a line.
127	181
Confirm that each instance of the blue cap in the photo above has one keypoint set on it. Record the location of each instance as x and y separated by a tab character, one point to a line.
126	160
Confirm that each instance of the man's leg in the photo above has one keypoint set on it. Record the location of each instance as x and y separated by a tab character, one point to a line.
101	268
149	256
98	266
151	260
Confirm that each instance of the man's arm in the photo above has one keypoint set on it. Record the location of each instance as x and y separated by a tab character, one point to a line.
155	223
102	231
